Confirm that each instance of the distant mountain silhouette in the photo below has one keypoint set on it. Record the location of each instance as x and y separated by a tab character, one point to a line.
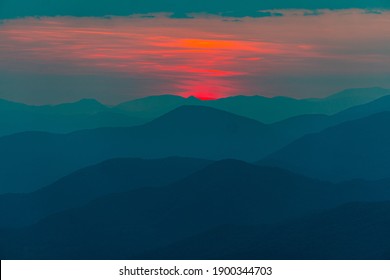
296	127
155	106
379	105
270	110
32	160
6	106
127	225
83	106
90	114
263	109
190	120
352	231
84	114
80	187
355	149
351	97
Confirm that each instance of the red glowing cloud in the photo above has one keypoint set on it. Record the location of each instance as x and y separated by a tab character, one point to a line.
197	65
204	57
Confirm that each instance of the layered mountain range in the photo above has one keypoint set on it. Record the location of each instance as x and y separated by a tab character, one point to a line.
89	113
160	177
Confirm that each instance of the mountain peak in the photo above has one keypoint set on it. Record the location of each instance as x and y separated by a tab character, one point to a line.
83	102
190	115
88	101
83	106
191	97
152	99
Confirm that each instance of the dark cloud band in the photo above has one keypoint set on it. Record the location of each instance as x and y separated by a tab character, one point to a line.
179	8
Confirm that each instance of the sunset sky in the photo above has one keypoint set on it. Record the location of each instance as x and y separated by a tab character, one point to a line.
61	51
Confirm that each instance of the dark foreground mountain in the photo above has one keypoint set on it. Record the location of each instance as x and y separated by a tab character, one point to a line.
352	231
33	159
80	187
127	225
355	149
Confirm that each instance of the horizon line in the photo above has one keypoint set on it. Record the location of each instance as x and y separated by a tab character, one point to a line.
204	99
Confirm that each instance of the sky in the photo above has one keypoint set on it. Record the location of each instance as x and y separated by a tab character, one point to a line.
114	51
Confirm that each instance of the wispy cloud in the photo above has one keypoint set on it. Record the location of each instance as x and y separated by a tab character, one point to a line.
204	56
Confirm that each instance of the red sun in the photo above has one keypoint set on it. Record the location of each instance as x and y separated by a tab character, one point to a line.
206	90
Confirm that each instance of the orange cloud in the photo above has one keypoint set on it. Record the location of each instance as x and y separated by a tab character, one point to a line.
205	57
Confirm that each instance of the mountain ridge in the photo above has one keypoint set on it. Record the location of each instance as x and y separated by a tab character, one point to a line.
350	150
142	220
90	113
349	232
87	184
44	157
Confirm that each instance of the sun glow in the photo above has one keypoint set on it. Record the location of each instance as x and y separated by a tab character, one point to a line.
202	57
